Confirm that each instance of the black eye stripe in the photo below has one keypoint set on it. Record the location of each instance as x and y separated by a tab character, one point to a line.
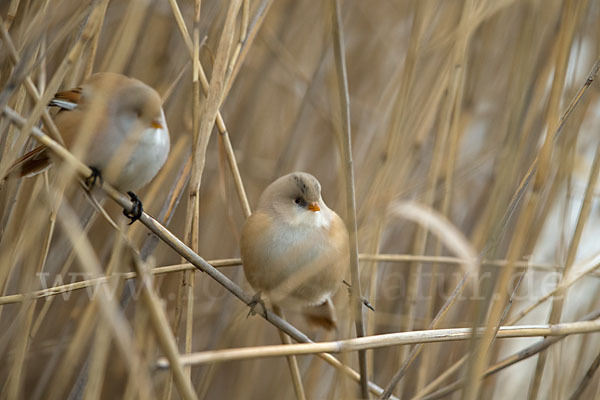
300	201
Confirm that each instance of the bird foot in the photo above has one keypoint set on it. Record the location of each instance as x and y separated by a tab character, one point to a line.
95	176
256	299
362	299
136	209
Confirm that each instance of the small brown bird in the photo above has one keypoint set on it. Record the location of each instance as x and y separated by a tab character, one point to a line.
295	249
129	139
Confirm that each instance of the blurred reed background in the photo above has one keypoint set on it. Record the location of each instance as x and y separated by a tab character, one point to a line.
479	111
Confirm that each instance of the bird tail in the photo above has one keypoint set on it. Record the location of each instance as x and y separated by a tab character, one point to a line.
322	315
31	163
38	159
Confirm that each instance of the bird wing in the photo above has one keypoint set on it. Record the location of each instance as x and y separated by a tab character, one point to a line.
67	100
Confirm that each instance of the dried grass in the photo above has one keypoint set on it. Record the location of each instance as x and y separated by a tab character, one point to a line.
475	122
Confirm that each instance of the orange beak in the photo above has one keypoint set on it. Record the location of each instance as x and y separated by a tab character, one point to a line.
314	206
156	124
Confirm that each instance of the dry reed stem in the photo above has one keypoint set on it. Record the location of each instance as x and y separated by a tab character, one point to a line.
342	82
586	379
192	227
447	234
93	49
66	288
502	364
123	44
219	119
458	384
251	29
102	339
88	221
527	178
29	86
450	111
12	12
572	12
24	338
404	81
454	122
163	333
28	257
151	242
414	353
71	356
108	307
238	47
567	280
589	268
581	93
517	243
186	289
479	355
203	121
399	65
386	340
568	24
292	361
57	78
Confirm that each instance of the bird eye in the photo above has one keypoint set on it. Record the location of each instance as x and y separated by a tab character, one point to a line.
300	201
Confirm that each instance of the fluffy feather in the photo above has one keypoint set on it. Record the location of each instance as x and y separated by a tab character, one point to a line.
295	256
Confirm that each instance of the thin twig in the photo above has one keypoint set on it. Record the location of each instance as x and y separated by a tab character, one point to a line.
219	119
519	356
163	332
521	230
433	325
342	80
586	378
292	360
586	268
558	302
391	339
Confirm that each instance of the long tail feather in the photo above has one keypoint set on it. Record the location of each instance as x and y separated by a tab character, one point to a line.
322	315
31	163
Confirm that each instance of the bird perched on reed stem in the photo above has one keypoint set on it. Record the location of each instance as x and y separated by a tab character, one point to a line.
117	126
295	249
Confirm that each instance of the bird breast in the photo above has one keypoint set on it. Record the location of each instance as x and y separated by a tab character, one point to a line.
295	265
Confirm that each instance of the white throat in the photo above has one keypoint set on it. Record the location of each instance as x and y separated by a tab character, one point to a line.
310	219
319	219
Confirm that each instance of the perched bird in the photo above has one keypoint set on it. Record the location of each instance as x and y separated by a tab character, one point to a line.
295	249
128	140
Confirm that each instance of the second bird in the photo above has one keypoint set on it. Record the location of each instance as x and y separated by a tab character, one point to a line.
128	135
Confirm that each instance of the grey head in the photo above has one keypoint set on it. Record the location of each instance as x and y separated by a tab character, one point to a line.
139	102
295	197
124	97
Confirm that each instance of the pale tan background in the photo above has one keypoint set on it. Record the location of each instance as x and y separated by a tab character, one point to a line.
449	114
